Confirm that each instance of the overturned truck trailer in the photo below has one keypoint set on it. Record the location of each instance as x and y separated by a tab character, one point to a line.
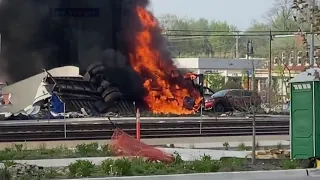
63	90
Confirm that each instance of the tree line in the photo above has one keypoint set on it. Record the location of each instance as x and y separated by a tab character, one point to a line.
189	37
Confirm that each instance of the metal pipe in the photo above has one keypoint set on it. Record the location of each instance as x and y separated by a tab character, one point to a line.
65	121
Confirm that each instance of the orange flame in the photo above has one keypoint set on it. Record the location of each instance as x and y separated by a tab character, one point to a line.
165	91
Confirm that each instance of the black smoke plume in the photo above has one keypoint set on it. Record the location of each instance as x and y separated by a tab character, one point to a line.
35	37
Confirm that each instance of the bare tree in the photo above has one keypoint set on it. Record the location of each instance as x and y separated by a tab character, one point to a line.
280	16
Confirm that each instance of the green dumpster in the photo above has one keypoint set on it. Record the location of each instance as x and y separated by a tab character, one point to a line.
305	115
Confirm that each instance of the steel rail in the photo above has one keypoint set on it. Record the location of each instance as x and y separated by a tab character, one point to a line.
131	119
47	132
131	125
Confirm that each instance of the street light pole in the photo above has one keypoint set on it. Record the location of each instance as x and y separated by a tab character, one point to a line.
237	46
253	108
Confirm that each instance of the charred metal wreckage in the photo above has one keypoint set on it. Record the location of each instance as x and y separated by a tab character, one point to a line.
63	92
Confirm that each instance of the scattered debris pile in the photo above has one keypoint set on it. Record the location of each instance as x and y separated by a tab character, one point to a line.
21	170
68	96
272	154
63	92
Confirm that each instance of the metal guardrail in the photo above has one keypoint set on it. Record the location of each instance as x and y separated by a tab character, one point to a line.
104	129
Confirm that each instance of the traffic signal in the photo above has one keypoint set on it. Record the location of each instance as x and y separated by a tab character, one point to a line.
283	58
299	57
291	59
316	58
275	60
250	48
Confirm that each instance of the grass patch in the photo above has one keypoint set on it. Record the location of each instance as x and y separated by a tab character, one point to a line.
142	167
242	147
289	164
20	152
279	145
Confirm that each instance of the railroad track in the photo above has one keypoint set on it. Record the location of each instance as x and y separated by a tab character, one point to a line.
44	131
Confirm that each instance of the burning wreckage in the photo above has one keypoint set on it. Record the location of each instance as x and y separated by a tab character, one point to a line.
64	92
159	87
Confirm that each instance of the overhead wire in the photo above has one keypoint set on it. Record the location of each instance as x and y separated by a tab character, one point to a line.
225	31
229	33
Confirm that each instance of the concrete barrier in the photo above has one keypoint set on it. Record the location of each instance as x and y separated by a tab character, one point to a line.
247	175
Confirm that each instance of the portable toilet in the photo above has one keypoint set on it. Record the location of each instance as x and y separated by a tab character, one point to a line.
305	115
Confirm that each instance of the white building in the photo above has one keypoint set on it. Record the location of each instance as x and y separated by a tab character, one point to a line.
230	69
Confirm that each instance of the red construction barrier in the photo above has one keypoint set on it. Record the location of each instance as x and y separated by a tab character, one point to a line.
126	145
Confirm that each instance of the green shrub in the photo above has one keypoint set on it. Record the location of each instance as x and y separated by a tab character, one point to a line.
204	164
107	150
123	167
177	158
50	173
87	150
9	163
289	164
279	145
81	168
232	164
107	166
141	166
5	174
144	167
242	147
226	145
18	147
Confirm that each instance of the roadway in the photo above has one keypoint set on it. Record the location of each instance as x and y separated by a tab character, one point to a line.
289	178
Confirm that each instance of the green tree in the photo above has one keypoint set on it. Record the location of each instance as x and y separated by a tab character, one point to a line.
278	18
179	42
224	46
215	81
195	40
260	43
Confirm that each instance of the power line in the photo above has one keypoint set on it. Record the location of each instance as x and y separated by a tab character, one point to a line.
185	38
214	31
219	35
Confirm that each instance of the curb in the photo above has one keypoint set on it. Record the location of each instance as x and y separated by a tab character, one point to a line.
247	175
313	172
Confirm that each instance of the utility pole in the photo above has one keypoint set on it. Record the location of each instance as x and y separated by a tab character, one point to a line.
0	43
237	46
270	70
253	108
312	33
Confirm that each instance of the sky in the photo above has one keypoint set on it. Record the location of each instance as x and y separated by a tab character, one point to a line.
240	13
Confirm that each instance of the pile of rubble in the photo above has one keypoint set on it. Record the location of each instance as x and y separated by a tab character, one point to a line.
64	92
271	154
17	171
